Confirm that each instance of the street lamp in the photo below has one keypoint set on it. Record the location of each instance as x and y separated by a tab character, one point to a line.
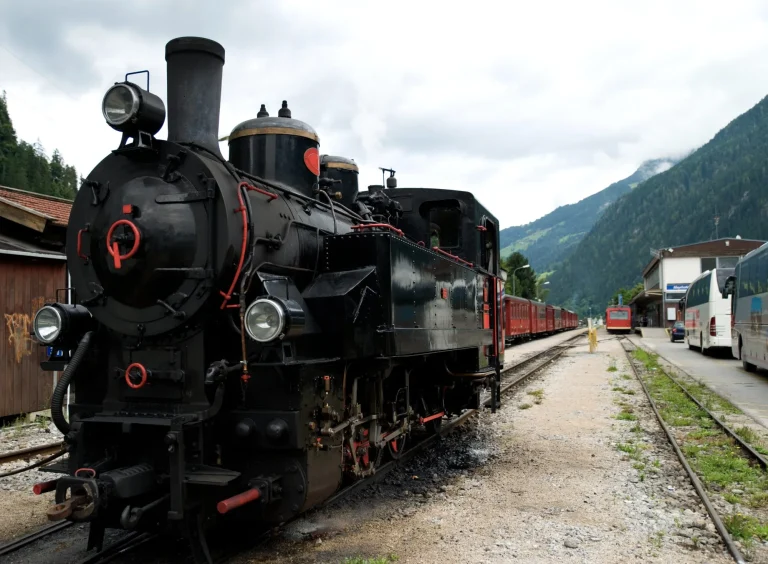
513	276
537	288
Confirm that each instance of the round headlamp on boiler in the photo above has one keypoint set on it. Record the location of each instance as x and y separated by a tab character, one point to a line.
132	110
267	319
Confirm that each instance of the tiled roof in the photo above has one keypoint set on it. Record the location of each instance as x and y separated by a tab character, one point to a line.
55	209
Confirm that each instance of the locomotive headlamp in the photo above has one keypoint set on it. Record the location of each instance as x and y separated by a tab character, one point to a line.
264	320
130	109
60	322
47	324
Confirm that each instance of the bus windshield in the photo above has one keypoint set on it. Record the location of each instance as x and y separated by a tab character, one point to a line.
618	314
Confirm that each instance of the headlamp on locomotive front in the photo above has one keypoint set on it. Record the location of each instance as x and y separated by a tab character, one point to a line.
267	319
60	323
130	109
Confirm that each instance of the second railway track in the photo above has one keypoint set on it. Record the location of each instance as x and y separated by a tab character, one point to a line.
717	520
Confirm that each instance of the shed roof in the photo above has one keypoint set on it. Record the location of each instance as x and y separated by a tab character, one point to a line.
32	209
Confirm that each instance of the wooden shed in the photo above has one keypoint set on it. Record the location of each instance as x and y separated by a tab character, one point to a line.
33	269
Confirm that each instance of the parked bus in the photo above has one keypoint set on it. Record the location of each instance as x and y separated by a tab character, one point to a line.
747	289
707	312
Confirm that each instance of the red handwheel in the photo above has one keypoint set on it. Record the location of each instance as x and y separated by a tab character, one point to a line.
112	247
142	371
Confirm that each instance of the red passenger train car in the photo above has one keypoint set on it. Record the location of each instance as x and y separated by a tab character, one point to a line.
618	319
527	319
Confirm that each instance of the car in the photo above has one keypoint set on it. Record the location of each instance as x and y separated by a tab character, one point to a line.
677	332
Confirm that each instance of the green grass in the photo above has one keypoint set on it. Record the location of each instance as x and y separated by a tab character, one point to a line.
626	377
623	390
376	560
626	414
714	456
525	406
744	527
538	395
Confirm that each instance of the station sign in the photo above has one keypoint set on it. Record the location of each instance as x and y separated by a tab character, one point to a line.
681	288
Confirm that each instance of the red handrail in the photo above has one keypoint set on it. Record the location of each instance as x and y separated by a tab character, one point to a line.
454	257
382	225
252	188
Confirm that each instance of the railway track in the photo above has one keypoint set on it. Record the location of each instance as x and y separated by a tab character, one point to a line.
629	347
48	448
516	373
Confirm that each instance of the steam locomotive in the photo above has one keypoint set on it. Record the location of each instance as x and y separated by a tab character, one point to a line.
251	334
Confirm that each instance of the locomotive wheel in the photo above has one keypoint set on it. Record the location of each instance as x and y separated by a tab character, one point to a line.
396	447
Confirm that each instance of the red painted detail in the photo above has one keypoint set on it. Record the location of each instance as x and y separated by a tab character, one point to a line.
127	209
80	243
91	471
454	257
244	215
485	293
481	228
486	321
381	225
423	420
143	372
421	244
227	505
394	445
444	293
712	327
312	160
112	247
251	188
44	487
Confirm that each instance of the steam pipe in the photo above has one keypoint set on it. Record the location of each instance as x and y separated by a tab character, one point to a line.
195	66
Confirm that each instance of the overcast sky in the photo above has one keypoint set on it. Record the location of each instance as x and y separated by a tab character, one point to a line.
528	105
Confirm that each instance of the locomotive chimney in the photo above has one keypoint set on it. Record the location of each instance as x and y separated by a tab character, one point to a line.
195	66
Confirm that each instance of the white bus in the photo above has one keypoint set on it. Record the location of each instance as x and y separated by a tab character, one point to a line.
707	312
748	287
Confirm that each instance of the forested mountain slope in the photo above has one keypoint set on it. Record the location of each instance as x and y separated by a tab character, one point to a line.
553	237
26	166
727	177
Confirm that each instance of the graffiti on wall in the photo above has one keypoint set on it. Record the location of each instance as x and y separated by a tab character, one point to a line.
19	328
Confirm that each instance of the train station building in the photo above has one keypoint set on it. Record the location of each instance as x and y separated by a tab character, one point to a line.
674	268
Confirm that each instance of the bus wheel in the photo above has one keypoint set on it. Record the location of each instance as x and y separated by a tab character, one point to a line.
748	366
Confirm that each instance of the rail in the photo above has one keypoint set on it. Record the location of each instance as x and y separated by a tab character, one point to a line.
697	485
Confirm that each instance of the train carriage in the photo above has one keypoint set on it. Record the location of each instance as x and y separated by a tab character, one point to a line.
517	319
538	318
550	316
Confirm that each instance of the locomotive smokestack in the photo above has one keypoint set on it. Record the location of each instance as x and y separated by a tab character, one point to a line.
195	66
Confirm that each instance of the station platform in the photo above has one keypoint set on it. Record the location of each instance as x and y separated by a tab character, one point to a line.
653	333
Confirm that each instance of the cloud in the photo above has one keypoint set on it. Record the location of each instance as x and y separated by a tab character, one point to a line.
528	105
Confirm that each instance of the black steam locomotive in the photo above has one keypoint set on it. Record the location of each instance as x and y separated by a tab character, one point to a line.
250	334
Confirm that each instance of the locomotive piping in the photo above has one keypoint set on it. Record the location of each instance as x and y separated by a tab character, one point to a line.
57	399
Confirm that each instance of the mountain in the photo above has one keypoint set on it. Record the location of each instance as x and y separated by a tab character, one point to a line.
553	237
727	177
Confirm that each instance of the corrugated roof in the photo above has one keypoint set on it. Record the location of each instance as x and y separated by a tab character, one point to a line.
55	209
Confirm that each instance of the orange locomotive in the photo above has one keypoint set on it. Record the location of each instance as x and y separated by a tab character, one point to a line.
618	319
